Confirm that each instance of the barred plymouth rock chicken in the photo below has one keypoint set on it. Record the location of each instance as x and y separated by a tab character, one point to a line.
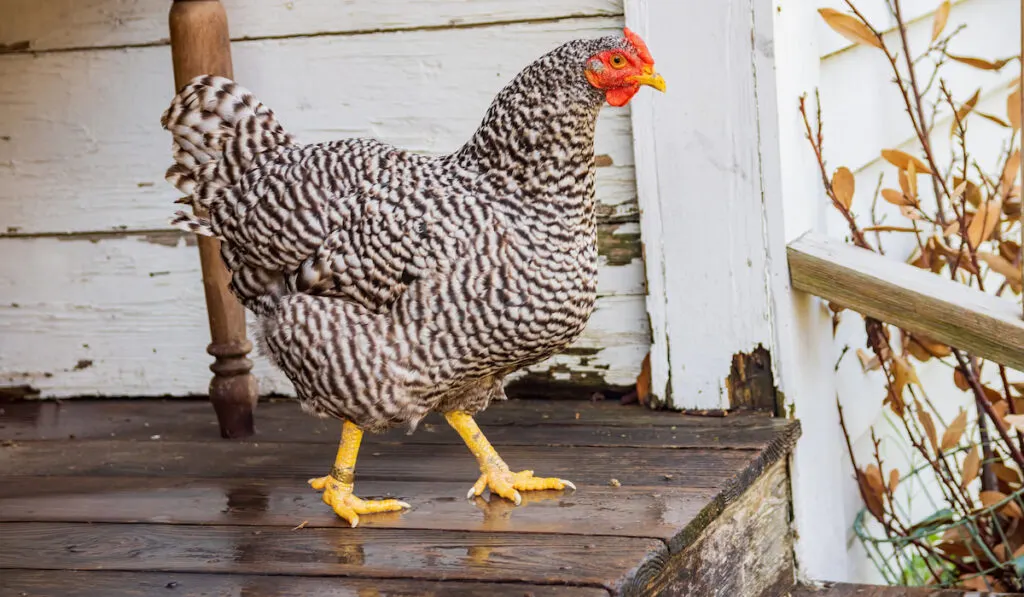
389	284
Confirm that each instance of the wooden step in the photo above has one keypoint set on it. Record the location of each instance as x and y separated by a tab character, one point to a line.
115	497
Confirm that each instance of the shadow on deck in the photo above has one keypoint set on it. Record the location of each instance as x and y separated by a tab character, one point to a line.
142	497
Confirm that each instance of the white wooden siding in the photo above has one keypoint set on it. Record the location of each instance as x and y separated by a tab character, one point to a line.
862	115
98	298
63	24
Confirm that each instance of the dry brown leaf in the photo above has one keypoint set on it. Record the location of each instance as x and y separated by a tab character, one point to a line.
896	197
925	418
991	498
980	62
963	111
1015	421
993	118
972	463
960	380
1001	409
984	222
868	362
843	184
1001	266
968	189
872	497
1013	109
903	374
951	436
894	480
937	349
1006	473
849	27
910	212
939	22
1010	172
902	160
887	229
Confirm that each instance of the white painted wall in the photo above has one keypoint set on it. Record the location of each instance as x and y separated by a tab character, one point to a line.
861	117
96	300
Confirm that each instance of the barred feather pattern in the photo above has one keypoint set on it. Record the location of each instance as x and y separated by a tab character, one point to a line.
386	283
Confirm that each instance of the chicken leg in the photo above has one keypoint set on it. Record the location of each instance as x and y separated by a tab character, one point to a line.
494	473
337	486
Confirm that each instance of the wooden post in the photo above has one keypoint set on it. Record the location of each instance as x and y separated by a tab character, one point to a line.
200	45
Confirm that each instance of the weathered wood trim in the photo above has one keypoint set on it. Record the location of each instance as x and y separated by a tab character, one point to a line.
747	551
703	189
909	297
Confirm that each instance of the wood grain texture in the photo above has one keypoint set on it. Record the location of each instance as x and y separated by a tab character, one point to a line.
200	45
69	583
517	422
657	512
64	24
701	187
79	157
359	552
208	507
126	317
266	460
912	298
714	564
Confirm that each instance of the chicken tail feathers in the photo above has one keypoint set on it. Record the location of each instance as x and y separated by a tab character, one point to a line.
192	223
220	130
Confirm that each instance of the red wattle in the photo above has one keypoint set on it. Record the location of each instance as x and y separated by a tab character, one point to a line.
620	96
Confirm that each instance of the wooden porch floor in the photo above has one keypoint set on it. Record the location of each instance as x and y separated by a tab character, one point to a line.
142	497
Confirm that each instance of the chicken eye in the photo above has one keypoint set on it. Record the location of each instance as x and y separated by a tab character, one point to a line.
618	61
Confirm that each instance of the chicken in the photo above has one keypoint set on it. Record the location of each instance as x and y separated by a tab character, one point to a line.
388	284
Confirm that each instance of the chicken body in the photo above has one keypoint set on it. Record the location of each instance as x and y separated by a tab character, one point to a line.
389	284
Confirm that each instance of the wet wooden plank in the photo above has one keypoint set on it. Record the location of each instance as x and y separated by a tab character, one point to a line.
657	512
359	552
71	583
263	460
536	422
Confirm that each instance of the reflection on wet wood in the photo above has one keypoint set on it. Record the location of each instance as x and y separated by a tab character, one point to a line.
262	460
68	583
148	492
625	511
359	552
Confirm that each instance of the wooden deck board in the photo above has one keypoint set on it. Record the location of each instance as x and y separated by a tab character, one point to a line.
72	583
625	511
146	489
517	422
587	466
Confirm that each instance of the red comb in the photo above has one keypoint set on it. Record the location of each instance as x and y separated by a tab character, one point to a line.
641	47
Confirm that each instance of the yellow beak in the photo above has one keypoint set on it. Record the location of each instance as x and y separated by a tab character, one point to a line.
649	78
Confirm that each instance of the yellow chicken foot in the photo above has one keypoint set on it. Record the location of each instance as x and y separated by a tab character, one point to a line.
337	486
495	474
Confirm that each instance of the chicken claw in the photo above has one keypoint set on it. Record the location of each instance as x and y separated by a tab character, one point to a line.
501	481
339	497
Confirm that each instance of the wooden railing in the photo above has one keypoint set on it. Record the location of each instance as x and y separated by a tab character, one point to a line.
909	297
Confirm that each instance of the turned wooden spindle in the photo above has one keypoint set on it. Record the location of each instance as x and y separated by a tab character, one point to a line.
200	45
